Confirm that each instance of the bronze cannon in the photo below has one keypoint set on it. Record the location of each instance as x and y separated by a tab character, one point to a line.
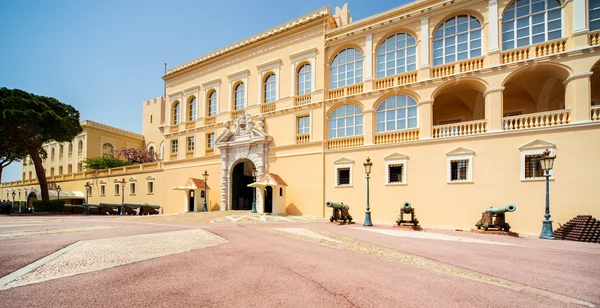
493	218
407	209
340	211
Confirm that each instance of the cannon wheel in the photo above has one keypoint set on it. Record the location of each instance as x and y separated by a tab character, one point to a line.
331	219
485	226
478	225
506	227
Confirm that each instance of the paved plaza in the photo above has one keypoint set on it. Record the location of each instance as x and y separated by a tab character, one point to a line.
239	259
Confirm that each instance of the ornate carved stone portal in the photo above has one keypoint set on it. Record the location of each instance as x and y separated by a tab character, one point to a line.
246	140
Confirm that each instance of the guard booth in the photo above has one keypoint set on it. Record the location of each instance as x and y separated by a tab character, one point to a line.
271	194
194	195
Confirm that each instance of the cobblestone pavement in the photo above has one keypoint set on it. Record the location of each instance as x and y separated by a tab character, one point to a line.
226	259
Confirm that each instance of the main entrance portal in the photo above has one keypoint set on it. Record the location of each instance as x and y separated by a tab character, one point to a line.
242	195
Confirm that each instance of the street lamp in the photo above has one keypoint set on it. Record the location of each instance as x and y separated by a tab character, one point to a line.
368	165
58	190
88	187
254	172
205	177
123	182
13	199
547	163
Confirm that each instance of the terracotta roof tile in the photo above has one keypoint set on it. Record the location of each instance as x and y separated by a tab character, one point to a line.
273	177
199	183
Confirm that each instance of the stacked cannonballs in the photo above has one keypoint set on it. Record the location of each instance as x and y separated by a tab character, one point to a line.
583	228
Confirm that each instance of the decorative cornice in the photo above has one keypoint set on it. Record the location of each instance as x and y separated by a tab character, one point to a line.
324	12
304	54
89	123
238	75
267	66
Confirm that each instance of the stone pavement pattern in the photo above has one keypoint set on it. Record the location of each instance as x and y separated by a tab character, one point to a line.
249	260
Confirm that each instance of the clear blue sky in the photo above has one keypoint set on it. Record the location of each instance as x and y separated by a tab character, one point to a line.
106	57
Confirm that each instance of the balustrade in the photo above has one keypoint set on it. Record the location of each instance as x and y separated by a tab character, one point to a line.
189	125
595	116
355	89
210	151
442	71
594	38
460	129
534	120
384	83
302	138
210	120
335	93
515	55
471	65
267	107
302	99
550	48
397	136
407	78
236	113
349	142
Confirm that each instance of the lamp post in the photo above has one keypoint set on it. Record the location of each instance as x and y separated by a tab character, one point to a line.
254	172
122	210
368	165
13	199
205	177
58	190
547	163
88	187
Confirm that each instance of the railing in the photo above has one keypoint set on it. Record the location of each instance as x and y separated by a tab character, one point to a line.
594	38
236	113
78	175
267	107
302	99
174	156
407	78
349	90
460	129
384	83
174	128
595	116
150	166
117	171
345	142
470	65
189	154
189	125
102	172
210	151
131	168
355	89
303	138
397	136
550	48
441	71
533	120
336	93
515	55
210	120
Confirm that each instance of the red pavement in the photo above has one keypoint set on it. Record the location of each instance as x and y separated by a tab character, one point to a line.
260	269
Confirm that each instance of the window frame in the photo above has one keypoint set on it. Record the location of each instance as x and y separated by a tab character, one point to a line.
208	140
191	141
530	24
150	183
337	178
269	88
334	117
590	9
307	79
239	95
396	110
102	189
117	188
176	113
534	151
132	188
192	109
211	104
469	40
174	146
307	125
460	157
357	66
384	54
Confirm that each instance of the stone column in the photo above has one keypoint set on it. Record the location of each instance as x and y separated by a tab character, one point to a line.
368	123
493	37
224	179
494	109
425	114
578	96
424	43
368	63
580	25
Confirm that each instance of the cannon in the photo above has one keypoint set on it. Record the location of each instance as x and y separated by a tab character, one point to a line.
493	218
407	209
340	211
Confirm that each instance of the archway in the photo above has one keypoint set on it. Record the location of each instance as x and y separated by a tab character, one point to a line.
191	200
459	102
595	84
242	196
534	90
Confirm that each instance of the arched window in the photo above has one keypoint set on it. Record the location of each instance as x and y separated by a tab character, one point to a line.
458	38
80	146
151	149
60	151
397	55
192	109
594	14
212	103
269	88
346	68
52	155
176	111
304	79
527	22
280	192
70	149
238	95
107	149
346	121
396	113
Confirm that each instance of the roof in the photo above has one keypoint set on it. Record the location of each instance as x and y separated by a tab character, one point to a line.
324	12
198	183
272	178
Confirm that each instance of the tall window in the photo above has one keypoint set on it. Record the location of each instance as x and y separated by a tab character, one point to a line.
176	111
346	68
397	55
210	140
80	146
212	103
594	14
60	151
528	22
52	155
70	149
269	88
238	95
117	189
396	113
458	170
533	167
459	38
304	79
303	125
346	121
174	146
191	144
192	109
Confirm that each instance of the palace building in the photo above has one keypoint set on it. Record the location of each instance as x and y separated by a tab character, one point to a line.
454	102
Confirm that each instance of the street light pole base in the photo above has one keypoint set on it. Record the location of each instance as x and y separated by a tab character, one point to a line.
547	233
368	219
204	209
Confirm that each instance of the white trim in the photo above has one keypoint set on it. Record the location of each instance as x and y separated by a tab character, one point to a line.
211	84
269	66
389	162
459	154
335	174
424	42
304	55
368	56
580	11
524	151
493	26
243	74
150	180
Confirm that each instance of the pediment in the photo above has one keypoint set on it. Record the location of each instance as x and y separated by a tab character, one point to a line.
102	182
245	129
343	160
271	179
537	144
460	151
396	156
132	179
150	177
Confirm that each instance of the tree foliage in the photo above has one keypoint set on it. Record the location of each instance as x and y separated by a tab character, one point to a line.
10	150
137	156
106	162
33	120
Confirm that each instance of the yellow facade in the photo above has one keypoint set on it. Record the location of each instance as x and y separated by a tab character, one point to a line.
449	99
